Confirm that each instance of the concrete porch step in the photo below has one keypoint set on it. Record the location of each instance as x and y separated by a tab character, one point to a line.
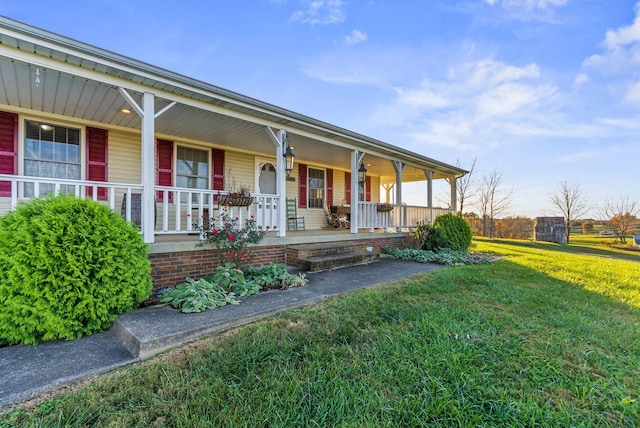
325	248
333	261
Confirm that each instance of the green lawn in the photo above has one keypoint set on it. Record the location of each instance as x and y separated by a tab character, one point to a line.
543	337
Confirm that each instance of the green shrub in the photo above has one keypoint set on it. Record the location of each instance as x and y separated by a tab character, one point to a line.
274	276
227	283
455	232
426	237
68	267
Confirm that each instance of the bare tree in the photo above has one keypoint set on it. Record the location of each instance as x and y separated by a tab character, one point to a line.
569	201
466	184
492	200
621	214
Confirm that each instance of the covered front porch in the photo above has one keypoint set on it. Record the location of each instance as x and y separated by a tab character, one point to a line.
165	150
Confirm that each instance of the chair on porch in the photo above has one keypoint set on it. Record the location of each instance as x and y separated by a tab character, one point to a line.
335	220
294	221
136	209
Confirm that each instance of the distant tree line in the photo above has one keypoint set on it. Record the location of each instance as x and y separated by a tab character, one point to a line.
486	200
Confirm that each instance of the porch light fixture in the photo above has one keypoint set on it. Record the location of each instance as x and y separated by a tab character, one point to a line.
125	110
362	173
289	158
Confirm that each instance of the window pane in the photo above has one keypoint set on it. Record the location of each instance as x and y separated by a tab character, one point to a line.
52	152
46	150
192	169
316	188
73	154
59	152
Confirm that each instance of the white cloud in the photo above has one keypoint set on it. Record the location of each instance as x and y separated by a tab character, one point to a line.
527	4
494	72
355	37
485	101
633	94
621	49
581	79
320	12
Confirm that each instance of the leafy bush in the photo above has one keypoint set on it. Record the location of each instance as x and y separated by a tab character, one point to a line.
197	296
455	232
426	237
443	256
227	283
274	275
68	267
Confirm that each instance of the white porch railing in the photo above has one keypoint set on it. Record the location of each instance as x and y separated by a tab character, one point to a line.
184	210
24	188
400	217
177	210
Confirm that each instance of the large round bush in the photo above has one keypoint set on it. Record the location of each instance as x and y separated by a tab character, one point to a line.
455	231
68	267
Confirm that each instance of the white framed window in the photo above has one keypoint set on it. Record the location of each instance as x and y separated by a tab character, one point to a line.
192	169
51	151
316	188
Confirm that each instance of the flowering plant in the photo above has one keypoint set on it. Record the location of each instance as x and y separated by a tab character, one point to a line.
231	237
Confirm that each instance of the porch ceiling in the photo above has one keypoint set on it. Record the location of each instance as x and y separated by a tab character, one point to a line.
80	81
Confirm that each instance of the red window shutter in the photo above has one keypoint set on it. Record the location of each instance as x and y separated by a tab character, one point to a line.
302	186
97	141
217	170
347	187
8	149
164	167
367	189
329	186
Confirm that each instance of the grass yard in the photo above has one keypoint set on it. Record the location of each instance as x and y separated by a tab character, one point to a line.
543	337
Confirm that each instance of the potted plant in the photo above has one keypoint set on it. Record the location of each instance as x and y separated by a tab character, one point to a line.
238	196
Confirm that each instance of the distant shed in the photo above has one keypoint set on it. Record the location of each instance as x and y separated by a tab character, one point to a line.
550	229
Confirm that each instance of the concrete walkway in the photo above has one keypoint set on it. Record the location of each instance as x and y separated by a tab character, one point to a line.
29	371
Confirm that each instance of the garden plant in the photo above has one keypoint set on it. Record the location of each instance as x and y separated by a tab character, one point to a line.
68	267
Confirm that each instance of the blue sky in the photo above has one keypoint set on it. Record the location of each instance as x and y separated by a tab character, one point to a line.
544	90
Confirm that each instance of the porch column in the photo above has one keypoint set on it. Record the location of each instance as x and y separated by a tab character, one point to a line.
399	166
429	174
280	140
454	194
148	167
148	115
356	158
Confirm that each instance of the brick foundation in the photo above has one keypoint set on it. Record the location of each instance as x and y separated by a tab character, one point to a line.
168	269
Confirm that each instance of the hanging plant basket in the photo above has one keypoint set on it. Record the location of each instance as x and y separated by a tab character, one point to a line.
235	200
384	208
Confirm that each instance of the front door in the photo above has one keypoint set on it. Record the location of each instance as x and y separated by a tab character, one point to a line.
267	208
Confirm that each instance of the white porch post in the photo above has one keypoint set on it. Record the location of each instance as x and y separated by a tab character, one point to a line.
148	115
454	194
356	158
281	179
148	167
429	174
399	166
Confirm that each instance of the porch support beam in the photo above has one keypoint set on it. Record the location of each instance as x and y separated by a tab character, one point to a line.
356	158
454	194
279	141
148	115
399	167
429	174
387	189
